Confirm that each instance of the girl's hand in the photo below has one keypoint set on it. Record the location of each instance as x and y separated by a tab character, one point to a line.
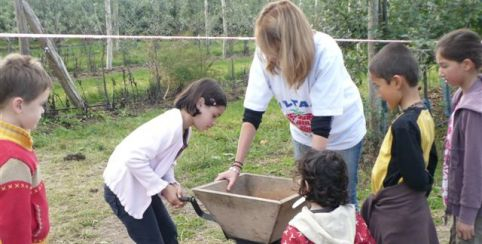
465	231
230	175
172	193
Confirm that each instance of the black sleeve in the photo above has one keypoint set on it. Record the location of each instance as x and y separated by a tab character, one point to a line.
253	117
432	160
407	156
432	165
321	125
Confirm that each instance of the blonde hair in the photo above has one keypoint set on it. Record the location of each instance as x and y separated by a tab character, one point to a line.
22	76
284	35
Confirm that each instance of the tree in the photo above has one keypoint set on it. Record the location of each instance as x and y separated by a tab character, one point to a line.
374	101
206	22
115	22
225	25
108	28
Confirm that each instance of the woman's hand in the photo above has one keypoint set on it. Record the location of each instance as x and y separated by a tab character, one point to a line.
172	193
230	175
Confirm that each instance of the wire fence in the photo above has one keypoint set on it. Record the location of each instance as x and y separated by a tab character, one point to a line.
152	69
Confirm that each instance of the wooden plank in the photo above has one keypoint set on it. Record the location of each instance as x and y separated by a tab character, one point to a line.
56	62
22	27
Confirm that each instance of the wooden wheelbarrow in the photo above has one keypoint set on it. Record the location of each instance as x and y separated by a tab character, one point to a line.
256	210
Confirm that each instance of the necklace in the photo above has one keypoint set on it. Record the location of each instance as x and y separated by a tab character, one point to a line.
418	104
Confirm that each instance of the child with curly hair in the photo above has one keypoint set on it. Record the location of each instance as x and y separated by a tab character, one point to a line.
328	218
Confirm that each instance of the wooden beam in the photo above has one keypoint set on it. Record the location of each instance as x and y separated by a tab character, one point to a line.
56	62
22	27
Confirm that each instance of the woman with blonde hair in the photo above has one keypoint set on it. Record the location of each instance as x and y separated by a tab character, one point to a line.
304	70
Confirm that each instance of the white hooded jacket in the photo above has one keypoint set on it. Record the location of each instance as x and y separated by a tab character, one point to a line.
335	227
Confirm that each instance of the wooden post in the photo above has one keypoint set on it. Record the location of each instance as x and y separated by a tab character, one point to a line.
22	28
58	66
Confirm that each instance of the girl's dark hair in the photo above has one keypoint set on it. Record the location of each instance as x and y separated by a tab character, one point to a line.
459	45
206	88
323	178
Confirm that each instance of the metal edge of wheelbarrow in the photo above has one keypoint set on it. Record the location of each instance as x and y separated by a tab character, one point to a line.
245	217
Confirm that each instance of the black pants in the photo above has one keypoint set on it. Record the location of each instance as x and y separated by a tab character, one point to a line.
156	226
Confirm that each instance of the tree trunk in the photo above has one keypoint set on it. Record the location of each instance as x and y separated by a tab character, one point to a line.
56	63
315	15
225	25
206	23
22	28
108	27
115	22
374	101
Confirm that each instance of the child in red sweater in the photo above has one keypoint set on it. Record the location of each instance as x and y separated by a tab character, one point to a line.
24	89
329	218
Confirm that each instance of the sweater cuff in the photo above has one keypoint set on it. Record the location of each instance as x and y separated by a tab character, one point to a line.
156	190
468	215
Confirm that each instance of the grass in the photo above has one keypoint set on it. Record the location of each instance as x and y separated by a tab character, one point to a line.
78	211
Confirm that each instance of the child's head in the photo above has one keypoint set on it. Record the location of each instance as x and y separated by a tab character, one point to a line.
459	53
24	89
391	69
204	100
323	178
284	35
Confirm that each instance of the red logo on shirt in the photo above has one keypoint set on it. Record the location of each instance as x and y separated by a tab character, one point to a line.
301	121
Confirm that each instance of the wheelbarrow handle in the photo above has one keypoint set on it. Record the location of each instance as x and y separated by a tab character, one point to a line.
186	199
196	207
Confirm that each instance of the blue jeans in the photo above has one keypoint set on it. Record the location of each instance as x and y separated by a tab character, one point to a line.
352	158
156	225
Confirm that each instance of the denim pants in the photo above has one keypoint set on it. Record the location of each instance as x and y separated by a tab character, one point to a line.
352	158
156	226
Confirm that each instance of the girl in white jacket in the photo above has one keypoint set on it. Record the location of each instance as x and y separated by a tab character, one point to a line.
141	169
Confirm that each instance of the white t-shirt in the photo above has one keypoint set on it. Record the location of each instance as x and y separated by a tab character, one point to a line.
327	91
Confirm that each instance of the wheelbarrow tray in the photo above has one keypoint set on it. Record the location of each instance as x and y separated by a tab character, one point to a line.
257	208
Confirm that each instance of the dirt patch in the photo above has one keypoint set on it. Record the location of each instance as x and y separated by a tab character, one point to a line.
112	231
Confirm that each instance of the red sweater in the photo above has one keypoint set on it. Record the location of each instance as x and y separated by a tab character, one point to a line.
23	202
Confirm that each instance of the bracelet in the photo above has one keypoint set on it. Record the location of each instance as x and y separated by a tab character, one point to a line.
238	162
234	169
238	166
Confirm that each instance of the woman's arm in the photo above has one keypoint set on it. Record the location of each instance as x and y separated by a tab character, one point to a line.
246	136
318	142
